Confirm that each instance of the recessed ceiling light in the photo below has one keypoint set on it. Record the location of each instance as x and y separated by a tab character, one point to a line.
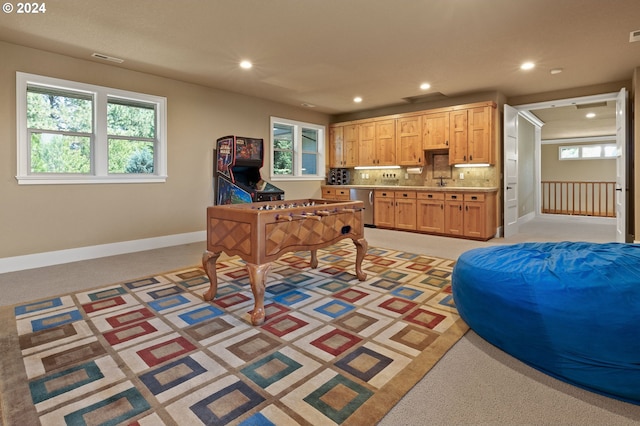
556	71
425	86
527	66
357	99
307	105
246	64
590	114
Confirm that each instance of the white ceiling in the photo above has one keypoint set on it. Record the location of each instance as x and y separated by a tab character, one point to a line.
325	52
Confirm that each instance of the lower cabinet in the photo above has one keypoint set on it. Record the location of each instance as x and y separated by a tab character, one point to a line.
430	212
469	215
395	209
384	209
336	194
454	214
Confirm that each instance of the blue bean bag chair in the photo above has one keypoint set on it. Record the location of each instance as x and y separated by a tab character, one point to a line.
569	309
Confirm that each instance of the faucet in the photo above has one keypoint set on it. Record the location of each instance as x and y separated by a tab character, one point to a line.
442	182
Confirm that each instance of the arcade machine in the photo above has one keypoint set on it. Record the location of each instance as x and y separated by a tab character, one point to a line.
238	164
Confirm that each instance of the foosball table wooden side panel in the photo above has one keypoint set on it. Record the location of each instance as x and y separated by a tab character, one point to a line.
311	233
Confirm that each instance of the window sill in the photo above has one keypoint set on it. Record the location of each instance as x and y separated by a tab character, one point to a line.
297	178
49	180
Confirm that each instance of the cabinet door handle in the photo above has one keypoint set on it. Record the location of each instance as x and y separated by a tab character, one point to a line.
430	196
460	208
473	197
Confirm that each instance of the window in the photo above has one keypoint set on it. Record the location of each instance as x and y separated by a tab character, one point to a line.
71	132
297	150
587	152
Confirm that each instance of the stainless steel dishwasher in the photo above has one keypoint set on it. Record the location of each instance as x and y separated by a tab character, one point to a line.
366	196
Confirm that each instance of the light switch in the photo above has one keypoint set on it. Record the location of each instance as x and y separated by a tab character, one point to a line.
461	175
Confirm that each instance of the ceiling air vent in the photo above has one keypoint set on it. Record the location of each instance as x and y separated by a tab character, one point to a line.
429	97
634	36
107	58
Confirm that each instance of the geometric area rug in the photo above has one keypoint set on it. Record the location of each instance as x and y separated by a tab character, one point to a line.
332	350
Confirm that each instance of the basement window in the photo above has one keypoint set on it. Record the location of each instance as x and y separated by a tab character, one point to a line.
70	132
587	152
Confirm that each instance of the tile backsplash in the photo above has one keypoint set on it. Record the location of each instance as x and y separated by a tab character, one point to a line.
437	167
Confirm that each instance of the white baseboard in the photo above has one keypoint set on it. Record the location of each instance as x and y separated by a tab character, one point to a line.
39	260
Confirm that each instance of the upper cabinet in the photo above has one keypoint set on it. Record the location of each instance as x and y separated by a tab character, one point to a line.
471	136
435	130
468	132
459	137
409	141
343	145
386	143
377	143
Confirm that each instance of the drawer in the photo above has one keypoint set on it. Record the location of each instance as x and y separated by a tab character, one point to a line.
430	196
454	196
379	193
474	197
328	192
342	194
411	195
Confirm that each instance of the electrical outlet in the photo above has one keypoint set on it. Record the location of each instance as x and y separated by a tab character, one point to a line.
461	175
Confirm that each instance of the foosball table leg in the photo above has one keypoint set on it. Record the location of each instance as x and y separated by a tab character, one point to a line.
209	264
258	278
361	251
314	259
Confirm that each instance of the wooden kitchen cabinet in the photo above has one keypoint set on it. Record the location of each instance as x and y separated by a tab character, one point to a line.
377	143
395	209
430	212
479	216
385	143
458	137
454	214
335	193
409	141
405	214
480	148
463	214
384	209
435	131
470	215
471	136
343	146
367	144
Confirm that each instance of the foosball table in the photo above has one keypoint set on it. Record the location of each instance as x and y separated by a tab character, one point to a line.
261	232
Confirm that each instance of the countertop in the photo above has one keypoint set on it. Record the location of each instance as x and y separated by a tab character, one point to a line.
417	188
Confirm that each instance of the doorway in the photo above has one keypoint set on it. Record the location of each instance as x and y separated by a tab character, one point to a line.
565	121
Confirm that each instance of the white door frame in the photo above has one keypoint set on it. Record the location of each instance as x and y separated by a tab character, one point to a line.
524	109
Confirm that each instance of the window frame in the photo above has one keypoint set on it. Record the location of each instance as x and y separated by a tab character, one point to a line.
580	156
297	172
100	138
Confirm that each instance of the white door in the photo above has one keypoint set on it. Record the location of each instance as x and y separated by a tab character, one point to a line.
621	170
510	189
